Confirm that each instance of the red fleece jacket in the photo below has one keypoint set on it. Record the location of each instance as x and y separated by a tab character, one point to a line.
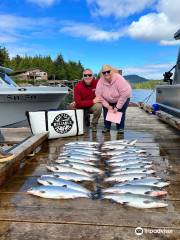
84	95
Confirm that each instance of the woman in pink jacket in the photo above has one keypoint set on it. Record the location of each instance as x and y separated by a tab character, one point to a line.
115	93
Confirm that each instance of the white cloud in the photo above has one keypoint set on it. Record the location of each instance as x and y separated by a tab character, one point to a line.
25	49
118	8
90	32
152	71
159	26
169	42
43	3
15	28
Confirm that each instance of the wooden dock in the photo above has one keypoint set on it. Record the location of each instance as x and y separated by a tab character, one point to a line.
25	216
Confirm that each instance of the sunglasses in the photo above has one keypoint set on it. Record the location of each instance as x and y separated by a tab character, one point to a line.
106	72
87	75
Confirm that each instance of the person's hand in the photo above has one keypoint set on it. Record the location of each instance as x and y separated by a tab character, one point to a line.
72	105
115	110
97	100
110	108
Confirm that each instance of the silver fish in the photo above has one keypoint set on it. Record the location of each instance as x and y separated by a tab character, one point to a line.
128	162
136	189
53	181
83	167
109	148
74	152
149	181
89	148
71	176
126	155
84	157
82	150
133	170
120	159
59	168
56	192
84	143
131	166
67	160
122	141
123	153
137	201
125	177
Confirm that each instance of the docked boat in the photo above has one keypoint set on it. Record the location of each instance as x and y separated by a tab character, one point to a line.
168	96
16	100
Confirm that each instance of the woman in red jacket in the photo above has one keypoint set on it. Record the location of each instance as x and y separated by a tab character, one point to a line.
84	97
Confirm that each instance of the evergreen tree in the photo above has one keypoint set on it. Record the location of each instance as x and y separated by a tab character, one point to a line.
60	71
4	57
57	69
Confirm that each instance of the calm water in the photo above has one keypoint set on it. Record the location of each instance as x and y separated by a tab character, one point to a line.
144	95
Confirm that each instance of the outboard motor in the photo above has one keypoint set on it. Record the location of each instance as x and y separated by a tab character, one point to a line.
168	75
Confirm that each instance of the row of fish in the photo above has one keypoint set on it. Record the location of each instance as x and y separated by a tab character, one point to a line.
71	167
129	168
131	176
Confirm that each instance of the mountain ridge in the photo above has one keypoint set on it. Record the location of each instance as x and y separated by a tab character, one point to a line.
133	78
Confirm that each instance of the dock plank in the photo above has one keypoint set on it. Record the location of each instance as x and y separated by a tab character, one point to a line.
46	231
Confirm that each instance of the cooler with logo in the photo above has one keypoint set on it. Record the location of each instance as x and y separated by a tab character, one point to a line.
59	123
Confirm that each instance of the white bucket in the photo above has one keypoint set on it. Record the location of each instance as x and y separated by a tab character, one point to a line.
59	123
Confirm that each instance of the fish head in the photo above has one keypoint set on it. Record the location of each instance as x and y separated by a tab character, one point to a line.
154	204
158	193
53	168
36	191
45	182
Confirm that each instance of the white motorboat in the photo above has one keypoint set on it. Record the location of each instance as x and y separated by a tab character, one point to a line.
15	100
168	96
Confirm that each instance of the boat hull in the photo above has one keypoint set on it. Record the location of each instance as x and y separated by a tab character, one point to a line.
168	97
15	102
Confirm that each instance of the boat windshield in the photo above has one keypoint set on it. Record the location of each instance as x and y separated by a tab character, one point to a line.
7	79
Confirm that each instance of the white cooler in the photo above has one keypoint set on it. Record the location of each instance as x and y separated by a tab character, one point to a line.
59	123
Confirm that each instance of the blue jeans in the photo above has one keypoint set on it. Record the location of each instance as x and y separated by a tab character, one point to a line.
120	125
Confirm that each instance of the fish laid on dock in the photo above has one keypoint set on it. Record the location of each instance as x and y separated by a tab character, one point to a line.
82	151
125	177
66	160
130	166
61	169
53	181
79	154
125	162
137	201
56	192
119	142
126	158
71	176
132	170
79	157
136	189
149	181
83	143
83	167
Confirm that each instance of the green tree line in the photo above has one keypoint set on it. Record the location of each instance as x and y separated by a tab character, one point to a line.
57	69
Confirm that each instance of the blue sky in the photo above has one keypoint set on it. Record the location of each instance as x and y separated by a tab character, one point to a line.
136	36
